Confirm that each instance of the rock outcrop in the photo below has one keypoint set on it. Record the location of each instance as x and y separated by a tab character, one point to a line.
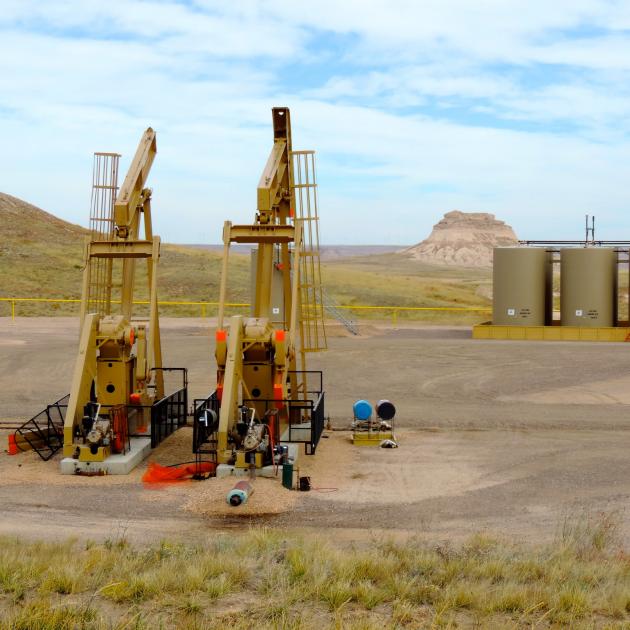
465	239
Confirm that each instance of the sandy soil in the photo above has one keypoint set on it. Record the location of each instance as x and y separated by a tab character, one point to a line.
507	437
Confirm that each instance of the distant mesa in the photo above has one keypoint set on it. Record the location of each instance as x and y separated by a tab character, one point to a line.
465	239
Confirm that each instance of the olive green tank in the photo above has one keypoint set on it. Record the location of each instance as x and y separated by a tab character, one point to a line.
588	287
521	287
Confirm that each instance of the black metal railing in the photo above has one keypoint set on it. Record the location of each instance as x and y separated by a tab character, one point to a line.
204	434
315	409
306	416
318	422
168	415
171	412
306	419
182	371
308	376
44	431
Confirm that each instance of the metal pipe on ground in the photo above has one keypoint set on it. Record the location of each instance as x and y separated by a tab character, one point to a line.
240	493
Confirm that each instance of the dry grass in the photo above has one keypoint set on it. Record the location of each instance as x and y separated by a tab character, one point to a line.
390	280
268	579
190	274
41	256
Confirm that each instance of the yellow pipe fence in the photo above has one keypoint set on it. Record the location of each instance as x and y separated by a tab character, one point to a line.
393	310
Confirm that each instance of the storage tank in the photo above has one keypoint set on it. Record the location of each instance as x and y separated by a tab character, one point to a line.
588	287
521	287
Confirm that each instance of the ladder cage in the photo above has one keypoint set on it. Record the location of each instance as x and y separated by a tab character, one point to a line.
104	191
304	184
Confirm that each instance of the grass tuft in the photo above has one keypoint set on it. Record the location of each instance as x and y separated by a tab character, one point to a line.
590	534
268	579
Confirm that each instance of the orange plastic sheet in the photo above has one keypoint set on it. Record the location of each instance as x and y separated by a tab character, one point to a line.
159	474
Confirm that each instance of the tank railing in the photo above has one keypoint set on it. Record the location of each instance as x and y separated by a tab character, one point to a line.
621	252
44	431
581	243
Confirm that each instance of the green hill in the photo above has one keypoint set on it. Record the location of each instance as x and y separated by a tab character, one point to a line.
42	256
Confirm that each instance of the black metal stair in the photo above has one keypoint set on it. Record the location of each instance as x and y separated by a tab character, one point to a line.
44	431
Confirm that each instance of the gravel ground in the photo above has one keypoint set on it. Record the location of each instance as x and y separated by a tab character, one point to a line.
507	437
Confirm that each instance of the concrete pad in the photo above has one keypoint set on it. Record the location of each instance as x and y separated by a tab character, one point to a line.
270	472
228	470
119	464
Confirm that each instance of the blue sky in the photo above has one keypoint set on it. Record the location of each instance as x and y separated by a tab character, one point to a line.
519	108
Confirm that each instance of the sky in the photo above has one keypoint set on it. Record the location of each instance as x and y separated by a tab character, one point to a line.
520	108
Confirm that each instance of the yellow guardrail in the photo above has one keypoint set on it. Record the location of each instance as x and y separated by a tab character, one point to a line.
393	310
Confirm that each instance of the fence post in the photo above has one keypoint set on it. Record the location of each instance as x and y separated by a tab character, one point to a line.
13	311
203	310
394	317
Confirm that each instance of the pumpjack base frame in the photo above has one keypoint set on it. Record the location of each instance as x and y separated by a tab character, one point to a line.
371	438
119	464
229	470
550	333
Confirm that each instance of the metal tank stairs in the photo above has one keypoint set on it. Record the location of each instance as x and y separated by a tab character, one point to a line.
314	302
332	308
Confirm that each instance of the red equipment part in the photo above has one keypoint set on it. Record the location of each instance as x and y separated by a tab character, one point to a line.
120	429
160	474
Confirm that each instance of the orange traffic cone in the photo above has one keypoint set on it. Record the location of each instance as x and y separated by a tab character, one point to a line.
13	447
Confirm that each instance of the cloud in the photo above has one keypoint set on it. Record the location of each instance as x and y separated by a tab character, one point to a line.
519	108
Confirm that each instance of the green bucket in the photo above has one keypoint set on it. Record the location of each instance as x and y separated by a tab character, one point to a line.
287	476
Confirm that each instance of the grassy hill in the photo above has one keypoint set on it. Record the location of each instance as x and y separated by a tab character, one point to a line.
398	280
42	256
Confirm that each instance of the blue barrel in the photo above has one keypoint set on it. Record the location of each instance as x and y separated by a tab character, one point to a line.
362	410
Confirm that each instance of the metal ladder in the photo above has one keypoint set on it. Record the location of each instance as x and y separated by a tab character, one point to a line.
104	191
332	308
304	185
